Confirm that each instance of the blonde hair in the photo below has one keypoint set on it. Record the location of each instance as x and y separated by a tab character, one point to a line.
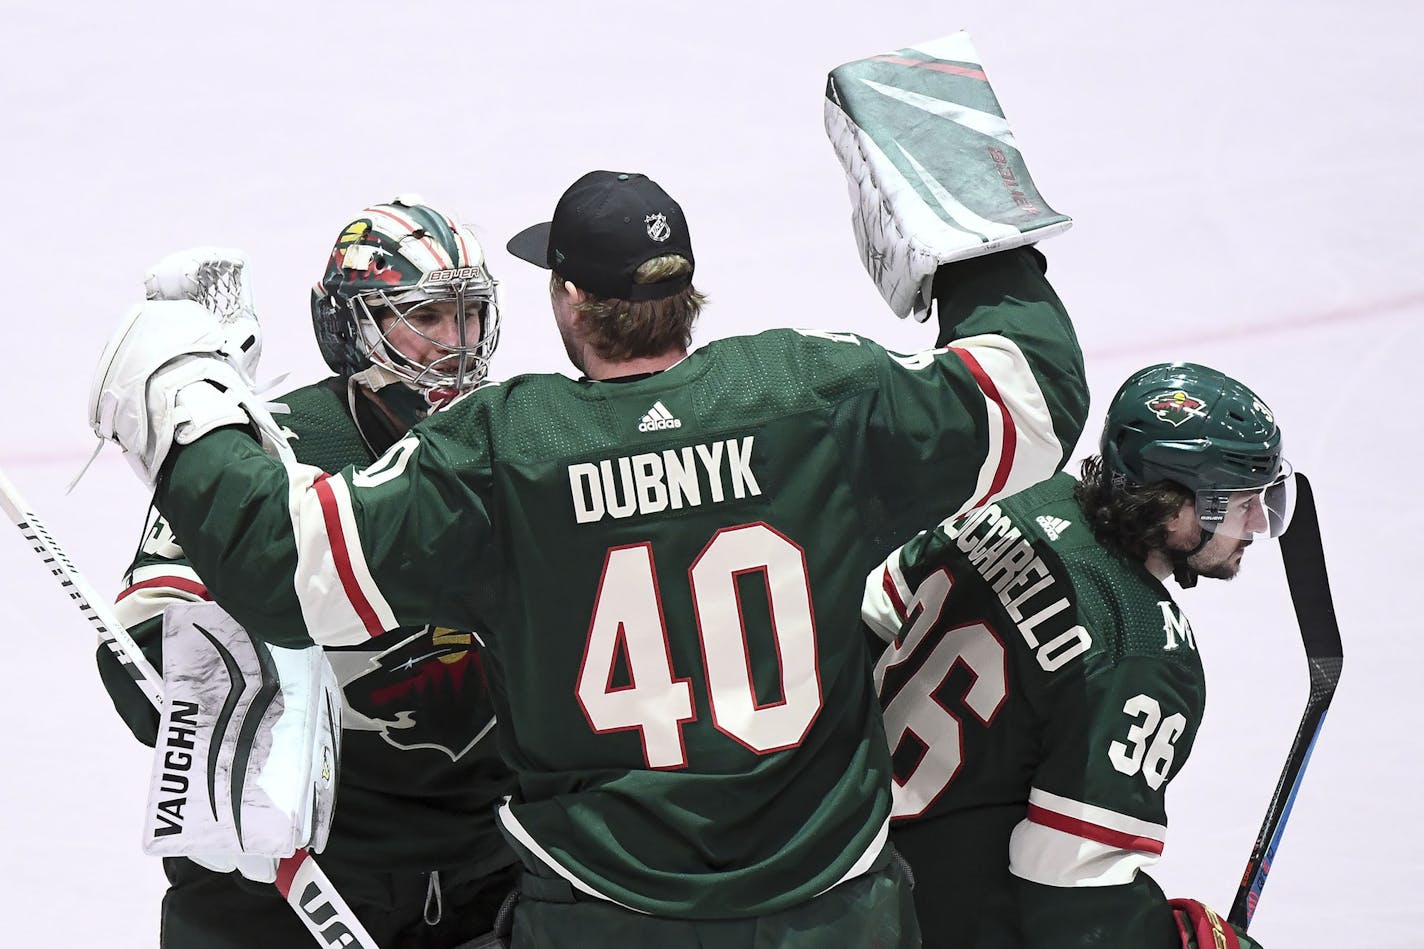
632	329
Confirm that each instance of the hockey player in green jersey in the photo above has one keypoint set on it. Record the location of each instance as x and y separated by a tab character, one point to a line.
664	557
414	849
1042	687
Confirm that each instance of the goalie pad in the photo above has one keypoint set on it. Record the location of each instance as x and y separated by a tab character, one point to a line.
934	172
167	376
245	766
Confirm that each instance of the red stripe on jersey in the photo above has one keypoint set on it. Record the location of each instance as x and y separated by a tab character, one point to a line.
342	557
287	871
1010	439
174	583
937	67
894	594
1094	832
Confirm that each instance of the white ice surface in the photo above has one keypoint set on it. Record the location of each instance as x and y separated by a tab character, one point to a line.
1244	177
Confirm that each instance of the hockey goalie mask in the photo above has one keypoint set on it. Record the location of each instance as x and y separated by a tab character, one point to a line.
1200	428
401	271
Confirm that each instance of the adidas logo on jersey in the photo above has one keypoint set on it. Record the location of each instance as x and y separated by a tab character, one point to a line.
1053	526
658	418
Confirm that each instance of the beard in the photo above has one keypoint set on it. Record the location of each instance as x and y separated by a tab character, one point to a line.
1207	563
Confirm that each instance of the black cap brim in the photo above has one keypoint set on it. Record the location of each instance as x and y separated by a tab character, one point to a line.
532	244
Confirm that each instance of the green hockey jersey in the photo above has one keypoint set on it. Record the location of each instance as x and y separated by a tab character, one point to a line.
1040	692
420	771
668	573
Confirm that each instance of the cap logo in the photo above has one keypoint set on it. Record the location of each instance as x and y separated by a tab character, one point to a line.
658	228
1176	407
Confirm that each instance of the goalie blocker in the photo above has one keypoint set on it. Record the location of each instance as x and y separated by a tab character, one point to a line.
246	761
934	171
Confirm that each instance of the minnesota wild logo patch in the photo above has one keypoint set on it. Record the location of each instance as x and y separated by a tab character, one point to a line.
1176	407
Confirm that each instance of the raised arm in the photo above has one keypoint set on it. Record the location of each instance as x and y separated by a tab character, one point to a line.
994	411
287	549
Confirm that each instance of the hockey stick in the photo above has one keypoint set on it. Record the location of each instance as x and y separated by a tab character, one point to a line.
301	882
1309	583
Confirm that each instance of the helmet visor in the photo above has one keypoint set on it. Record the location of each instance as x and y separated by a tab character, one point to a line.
1250	512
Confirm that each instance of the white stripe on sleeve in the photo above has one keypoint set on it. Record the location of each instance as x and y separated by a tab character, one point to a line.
1099	816
1053	857
154	588
340	602
879	608
1024	448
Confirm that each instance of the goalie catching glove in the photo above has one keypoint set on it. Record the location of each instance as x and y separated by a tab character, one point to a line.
217	278
184	363
245	766
168	375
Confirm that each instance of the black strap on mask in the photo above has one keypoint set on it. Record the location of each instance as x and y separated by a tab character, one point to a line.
1185	576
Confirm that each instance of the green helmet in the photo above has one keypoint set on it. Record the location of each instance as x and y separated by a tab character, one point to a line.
1203	430
392	259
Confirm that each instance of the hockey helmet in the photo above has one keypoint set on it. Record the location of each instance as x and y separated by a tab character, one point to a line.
393	259
1201	429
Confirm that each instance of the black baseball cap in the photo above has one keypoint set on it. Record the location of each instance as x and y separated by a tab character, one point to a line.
606	226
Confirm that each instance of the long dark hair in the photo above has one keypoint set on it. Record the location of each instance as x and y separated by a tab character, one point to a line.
1130	519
